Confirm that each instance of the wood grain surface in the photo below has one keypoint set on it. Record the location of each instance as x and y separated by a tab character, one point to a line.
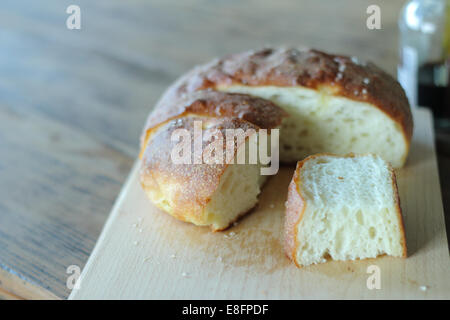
73	102
143	253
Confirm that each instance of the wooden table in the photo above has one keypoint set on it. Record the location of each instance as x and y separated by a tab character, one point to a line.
72	104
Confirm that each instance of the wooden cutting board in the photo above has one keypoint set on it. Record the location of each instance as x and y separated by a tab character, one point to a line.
144	253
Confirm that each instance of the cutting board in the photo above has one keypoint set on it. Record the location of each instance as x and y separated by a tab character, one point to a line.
143	253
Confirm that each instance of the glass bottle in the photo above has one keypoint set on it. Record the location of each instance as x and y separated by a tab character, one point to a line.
424	69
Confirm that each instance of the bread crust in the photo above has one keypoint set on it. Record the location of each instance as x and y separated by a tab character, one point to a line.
290	67
296	206
260	112
193	185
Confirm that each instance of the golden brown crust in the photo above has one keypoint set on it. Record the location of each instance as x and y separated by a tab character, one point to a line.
338	75
188	188
257	111
296	205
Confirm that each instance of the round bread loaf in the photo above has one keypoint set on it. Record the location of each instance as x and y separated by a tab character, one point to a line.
207	193
335	103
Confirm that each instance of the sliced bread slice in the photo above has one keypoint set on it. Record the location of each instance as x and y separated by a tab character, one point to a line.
343	208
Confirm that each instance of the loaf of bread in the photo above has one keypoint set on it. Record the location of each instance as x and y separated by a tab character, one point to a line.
343	208
207	193
335	103
321	102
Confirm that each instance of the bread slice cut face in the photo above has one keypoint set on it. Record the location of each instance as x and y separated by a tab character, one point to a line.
335	103
343	208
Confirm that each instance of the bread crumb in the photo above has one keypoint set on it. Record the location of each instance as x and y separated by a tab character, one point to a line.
231	234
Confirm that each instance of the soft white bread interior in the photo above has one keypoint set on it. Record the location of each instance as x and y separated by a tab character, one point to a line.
237	193
343	208
322	122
